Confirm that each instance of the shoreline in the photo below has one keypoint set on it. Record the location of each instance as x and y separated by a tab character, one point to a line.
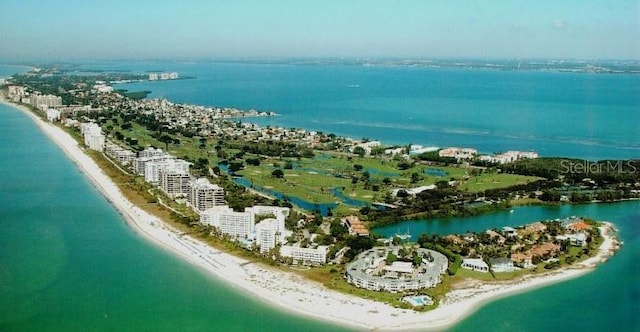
290	292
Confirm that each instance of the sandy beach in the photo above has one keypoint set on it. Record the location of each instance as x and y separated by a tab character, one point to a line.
293	293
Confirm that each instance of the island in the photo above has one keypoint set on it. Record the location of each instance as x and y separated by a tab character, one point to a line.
288	214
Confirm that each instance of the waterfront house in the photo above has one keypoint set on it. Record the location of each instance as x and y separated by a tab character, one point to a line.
577	239
475	264
502	264
578	226
536	227
495	236
522	258
509	231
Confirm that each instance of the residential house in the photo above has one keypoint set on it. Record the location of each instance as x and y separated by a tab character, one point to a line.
475	264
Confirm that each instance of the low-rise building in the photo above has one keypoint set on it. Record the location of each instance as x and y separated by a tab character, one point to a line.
367	146
371	271
313	256
419	149
509	157
355	226
502	264
458	153
475	264
575	239
524	258
122	155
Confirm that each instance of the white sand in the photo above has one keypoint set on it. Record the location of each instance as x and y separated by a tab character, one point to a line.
292	292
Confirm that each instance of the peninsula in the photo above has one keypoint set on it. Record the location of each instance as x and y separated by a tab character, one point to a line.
290	290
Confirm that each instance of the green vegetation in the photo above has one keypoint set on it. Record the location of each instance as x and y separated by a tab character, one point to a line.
328	173
488	181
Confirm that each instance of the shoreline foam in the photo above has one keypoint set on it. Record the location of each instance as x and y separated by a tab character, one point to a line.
292	292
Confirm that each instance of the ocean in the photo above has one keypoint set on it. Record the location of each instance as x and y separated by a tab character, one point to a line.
590	116
69	262
603	300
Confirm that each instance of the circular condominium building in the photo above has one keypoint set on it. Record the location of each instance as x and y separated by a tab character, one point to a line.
380	269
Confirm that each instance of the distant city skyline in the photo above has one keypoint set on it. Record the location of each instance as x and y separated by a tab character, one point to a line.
76	29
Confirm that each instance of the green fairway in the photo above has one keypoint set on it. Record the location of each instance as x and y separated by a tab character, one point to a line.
494	181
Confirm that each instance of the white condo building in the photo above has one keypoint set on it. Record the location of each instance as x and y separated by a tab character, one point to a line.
122	155
152	168
174	182
271	231
280	213
149	155
203	195
267	234
45	101
305	255
53	115
234	224
151	152
93	137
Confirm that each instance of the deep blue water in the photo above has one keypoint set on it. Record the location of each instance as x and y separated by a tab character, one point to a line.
556	114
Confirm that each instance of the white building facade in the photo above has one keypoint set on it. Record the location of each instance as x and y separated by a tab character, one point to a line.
314	256
237	225
203	195
93	137
174	182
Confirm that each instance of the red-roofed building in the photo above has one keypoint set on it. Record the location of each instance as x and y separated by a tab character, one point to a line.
578	226
355	226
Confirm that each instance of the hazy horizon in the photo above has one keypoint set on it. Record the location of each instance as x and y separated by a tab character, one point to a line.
250	29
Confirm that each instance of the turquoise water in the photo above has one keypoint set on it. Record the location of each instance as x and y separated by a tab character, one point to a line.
68	262
604	300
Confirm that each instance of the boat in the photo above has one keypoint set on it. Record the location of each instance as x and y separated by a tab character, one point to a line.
405	236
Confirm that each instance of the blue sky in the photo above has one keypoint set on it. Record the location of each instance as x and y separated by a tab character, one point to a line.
588	29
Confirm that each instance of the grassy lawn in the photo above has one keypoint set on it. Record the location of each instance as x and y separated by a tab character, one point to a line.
311	179
494	181
188	147
525	201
